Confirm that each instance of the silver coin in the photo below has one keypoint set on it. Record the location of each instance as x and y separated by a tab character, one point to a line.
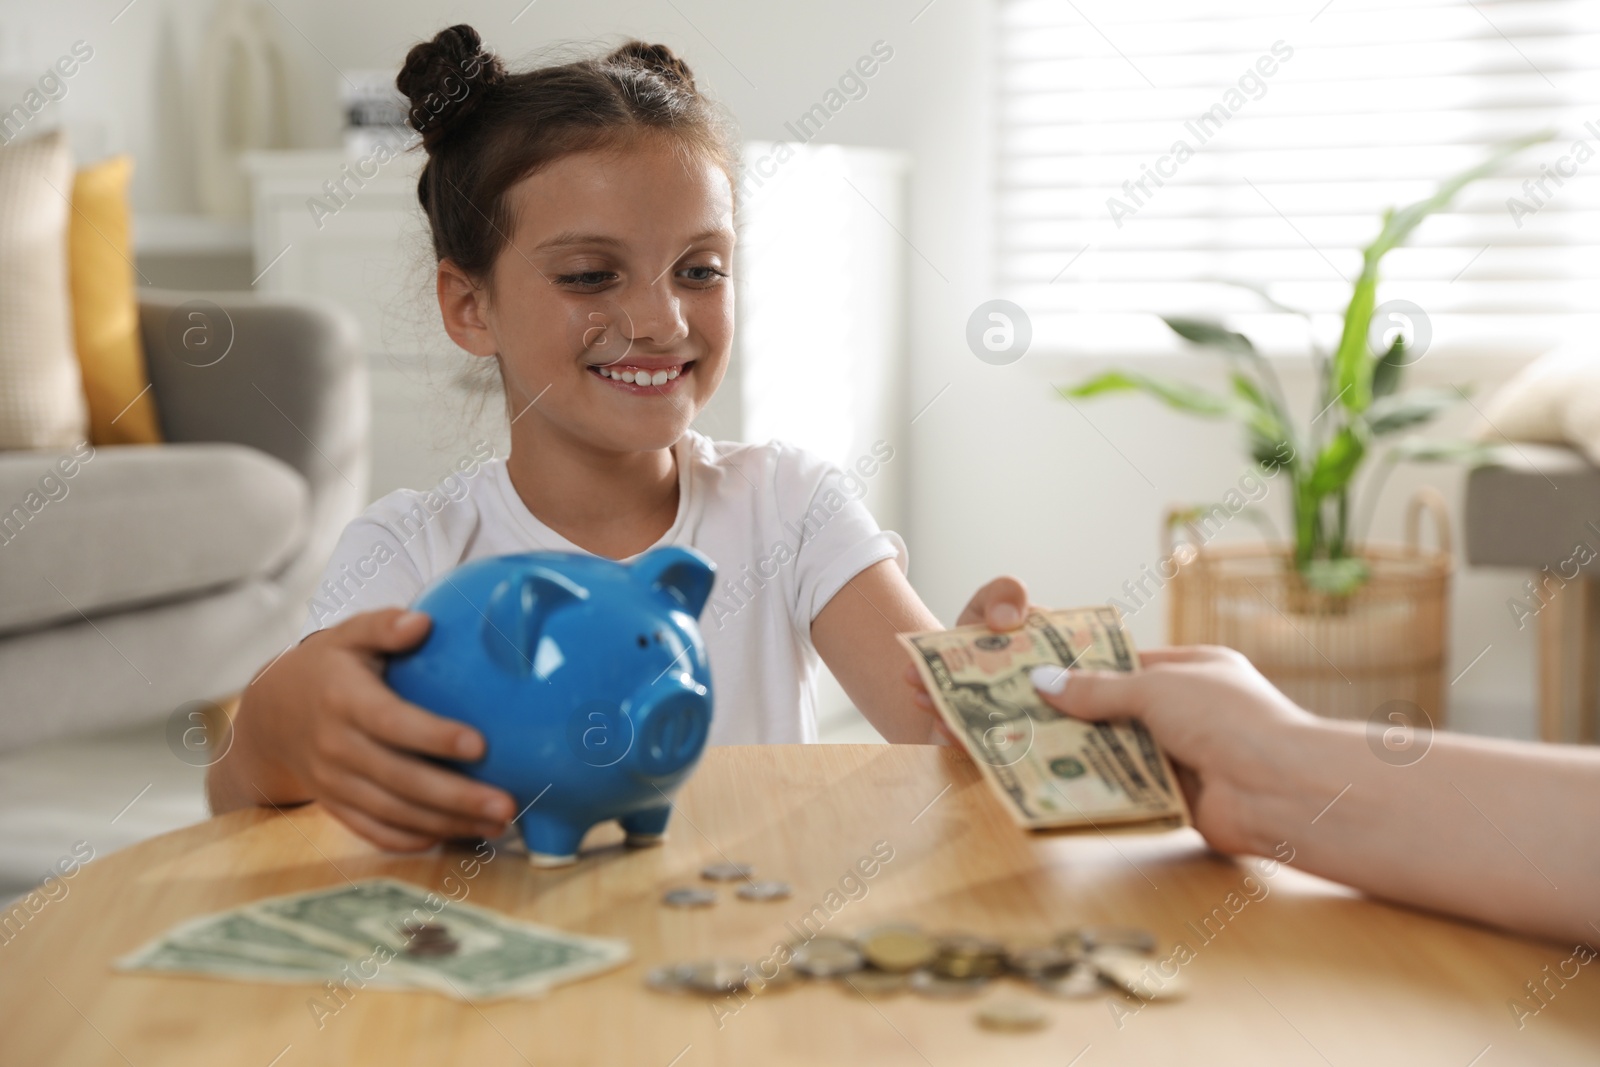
717	976
689	896
1082	980
1041	960
827	959
673	978
928	984
726	872
765	890
1128	937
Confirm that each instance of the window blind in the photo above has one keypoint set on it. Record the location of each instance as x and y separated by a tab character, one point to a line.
1148	150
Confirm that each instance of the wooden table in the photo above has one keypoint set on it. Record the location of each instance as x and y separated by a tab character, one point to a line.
1303	972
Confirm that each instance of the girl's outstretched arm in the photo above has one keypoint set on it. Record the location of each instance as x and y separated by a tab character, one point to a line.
856	637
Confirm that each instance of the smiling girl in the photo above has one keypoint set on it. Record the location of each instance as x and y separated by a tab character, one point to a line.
583	221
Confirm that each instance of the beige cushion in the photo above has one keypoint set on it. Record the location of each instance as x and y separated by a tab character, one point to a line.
1553	400
125	525
41	389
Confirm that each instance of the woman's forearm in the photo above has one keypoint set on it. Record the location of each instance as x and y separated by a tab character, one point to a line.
1482	830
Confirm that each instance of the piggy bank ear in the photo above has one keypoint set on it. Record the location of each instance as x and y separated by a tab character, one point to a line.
681	576
518	610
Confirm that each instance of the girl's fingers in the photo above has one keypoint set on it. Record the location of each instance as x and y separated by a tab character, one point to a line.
400	813
1000	604
381	714
389	630
380	834
421	783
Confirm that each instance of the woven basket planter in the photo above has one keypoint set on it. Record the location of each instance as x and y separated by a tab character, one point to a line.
1345	657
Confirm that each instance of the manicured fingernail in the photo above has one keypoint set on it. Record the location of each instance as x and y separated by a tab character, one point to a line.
1004	616
1048	678
407	618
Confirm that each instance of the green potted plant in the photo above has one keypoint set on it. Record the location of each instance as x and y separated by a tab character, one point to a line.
1344	626
1359	403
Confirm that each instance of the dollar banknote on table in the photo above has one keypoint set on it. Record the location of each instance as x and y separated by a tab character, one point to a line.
383	933
1051	771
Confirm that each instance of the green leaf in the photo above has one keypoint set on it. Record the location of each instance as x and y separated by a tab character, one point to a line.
1386	375
1337	463
1340	577
1180	396
1467	453
1352	363
1399	224
1264	420
1392	413
1210	334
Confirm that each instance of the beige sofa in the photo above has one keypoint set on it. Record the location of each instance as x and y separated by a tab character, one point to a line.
137	579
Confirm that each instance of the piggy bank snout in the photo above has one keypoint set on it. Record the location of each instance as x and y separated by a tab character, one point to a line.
672	721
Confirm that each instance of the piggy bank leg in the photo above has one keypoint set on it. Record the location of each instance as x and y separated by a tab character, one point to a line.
551	841
645	828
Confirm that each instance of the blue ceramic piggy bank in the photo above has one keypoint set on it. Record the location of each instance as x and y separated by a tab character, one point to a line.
587	678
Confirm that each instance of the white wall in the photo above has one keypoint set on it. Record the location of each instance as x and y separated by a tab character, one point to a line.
1005	476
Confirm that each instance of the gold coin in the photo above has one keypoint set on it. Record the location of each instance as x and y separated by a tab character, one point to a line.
1012	1016
897	948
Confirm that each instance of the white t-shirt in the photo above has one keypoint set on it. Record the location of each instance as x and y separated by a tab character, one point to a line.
785	529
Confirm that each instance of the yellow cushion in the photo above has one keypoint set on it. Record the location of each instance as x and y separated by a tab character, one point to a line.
105	311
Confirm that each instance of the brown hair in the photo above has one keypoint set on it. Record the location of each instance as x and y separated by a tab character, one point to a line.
485	129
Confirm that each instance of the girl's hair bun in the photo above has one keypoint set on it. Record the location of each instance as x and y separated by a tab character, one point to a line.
446	80
656	58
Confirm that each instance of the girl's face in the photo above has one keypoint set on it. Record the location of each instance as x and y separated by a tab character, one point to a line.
612	307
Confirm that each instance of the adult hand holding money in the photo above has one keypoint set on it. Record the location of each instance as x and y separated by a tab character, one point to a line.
1050	769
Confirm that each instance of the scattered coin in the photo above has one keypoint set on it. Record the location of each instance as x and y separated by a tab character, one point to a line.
1139	976
1039	960
413	929
928	984
1095	937
716	976
689	897
1071	942
827	958
875	983
963	956
893	957
897	948
426	939
1081	980
726	872
673	978
765	890
758	982
1012	1016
